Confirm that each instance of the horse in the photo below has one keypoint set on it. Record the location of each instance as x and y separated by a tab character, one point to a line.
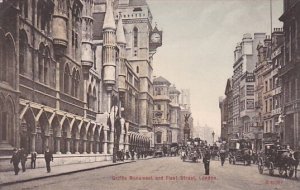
296	159
247	153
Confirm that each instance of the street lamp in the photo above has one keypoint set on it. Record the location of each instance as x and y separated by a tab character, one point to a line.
213	136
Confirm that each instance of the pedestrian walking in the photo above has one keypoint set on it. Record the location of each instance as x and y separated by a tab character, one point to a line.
15	160
127	155
132	154
48	157
206	160
33	159
23	158
222	156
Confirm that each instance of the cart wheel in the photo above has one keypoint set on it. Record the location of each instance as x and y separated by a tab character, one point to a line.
271	169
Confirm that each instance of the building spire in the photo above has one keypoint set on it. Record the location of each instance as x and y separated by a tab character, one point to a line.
109	21
120	31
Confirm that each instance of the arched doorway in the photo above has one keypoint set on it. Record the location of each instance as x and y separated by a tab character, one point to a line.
28	131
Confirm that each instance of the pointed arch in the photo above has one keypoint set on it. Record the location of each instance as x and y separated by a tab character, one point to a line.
7	58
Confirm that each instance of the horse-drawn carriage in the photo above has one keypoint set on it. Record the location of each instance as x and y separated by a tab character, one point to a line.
174	149
276	157
190	153
239	151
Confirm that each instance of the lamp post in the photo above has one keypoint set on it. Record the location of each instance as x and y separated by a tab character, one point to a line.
213	136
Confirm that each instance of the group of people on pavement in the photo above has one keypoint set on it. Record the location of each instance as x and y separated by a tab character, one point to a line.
20	156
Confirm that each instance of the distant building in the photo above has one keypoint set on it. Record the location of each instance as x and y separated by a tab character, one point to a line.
185	109
243	84
166	115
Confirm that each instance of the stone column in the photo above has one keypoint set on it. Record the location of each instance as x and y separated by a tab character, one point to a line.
58	145
121	145
46	142
33	135
84	146
68	146
111	143
126	146
105	142
91	147
97	147
77	146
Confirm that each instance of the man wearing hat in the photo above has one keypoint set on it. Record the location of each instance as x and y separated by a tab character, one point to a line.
15	159
206	160
48	157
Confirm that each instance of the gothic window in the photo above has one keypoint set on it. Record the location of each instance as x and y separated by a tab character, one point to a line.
26	9
88	97
23	52
158	137
46	66
77	78
66	79
73	82
44	10
41	62
3	123
94	99
6	120
7	59
3	64
135	37
137	69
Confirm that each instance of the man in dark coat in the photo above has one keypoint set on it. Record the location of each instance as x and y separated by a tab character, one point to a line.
23	158
15	159
33	160
48	157
206	160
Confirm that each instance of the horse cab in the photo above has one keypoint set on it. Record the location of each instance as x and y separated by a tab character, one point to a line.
275	157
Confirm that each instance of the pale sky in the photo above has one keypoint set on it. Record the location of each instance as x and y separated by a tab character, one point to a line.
199	37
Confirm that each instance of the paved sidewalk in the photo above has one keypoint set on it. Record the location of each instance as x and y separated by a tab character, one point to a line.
9	177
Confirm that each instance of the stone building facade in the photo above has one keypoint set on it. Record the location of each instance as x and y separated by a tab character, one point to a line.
225	105
289	72
167	113
64	73
243	86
